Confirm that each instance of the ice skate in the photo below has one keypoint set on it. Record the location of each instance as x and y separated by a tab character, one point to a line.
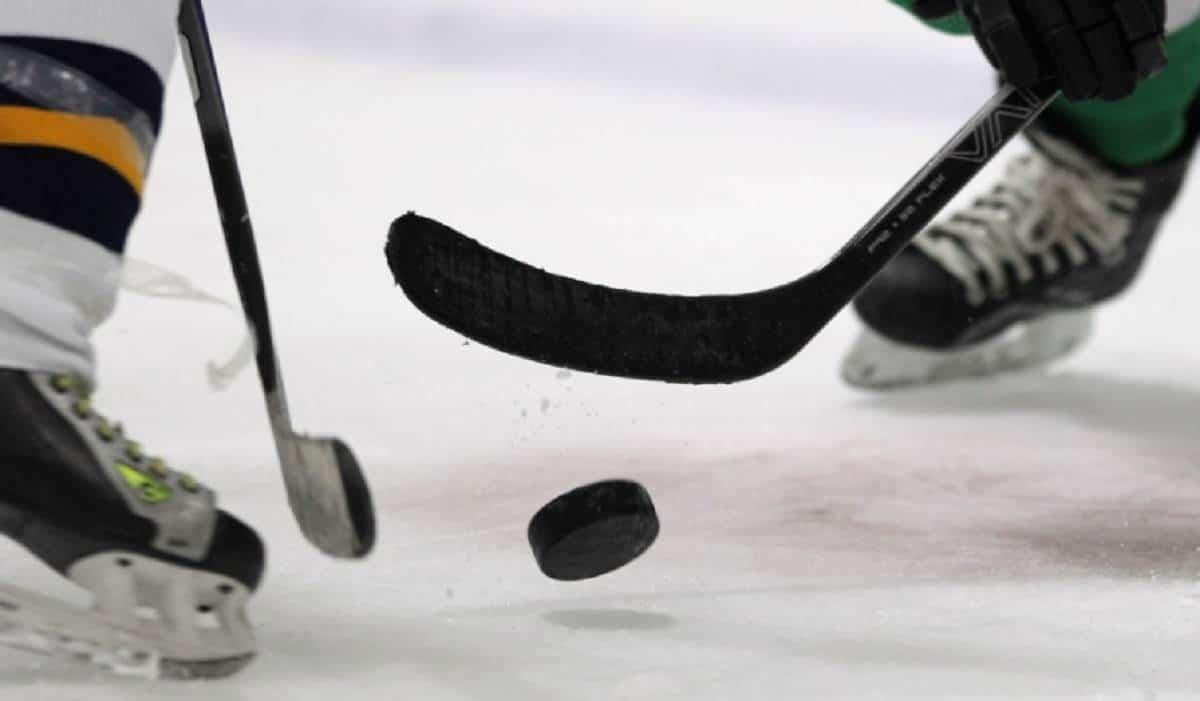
169	573
1010	282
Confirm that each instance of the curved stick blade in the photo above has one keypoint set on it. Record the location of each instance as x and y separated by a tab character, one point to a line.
525	311
328	494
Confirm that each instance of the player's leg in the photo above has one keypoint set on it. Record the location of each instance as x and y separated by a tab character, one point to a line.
81	93
1010	280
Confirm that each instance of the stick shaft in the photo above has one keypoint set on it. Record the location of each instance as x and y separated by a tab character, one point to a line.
923	198
231	200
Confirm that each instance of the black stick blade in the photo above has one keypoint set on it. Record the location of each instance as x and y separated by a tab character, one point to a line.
518	309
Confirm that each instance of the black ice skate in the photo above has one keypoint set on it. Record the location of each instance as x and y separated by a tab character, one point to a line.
169	573
1010	281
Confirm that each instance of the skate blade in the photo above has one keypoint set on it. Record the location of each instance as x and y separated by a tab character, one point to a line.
40	625
149	619
876	362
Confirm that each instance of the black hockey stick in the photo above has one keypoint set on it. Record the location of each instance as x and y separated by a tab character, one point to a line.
560	321
325	485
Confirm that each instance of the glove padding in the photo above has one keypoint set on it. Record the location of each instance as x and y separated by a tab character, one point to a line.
1089	48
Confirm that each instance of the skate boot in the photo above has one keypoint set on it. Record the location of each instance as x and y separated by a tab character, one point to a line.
168	572
1010	281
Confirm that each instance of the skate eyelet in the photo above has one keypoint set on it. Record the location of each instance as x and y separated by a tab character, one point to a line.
106	433
159	468
82	409
62	383
189	484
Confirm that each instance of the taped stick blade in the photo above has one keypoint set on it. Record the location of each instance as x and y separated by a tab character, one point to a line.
328	494
560	321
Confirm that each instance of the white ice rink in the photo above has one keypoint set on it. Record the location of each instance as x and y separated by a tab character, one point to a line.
1031	537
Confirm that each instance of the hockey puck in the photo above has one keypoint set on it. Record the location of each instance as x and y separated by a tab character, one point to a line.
593	530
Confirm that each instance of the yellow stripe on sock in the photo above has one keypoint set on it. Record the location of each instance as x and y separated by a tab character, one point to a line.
99	138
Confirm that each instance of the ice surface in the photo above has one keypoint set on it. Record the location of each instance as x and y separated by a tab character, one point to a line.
1032	537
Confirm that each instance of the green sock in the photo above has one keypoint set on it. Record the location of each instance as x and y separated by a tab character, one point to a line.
951	24
1142	128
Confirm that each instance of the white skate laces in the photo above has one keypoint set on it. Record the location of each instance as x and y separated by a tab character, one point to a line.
1045	210
149	280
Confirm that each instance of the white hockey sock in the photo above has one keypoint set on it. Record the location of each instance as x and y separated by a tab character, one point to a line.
55	289
56	283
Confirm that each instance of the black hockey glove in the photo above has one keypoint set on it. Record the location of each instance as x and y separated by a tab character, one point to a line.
1089	48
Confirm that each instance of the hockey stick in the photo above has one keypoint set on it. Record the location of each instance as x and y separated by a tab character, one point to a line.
560	321
325	485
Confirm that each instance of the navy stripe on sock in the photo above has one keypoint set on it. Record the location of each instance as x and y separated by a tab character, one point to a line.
8	98
123	73
70	191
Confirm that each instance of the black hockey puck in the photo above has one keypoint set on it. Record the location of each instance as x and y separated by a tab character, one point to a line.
593	530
